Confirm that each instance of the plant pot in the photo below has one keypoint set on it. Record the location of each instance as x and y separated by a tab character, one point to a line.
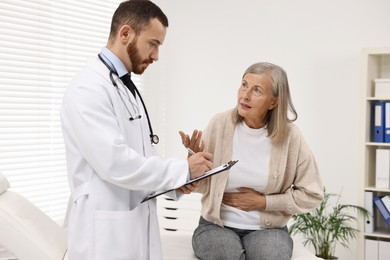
331	258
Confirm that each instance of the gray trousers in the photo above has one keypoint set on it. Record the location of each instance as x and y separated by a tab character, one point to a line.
212	242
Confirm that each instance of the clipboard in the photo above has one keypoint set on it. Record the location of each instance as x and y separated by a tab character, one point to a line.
221	168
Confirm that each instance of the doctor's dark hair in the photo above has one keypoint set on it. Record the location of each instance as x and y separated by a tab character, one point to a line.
137	14
277	118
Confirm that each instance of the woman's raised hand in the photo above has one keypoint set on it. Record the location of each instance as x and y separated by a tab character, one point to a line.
195	143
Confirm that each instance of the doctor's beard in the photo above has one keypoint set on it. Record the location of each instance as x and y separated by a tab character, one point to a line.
139	65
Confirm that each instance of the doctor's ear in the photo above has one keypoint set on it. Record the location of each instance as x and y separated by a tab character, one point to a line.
126	33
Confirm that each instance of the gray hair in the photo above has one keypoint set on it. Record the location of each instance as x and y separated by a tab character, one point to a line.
277	118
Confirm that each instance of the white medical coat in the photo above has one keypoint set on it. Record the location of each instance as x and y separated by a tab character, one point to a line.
111	167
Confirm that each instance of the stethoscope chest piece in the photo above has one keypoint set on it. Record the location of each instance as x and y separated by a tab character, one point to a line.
154	139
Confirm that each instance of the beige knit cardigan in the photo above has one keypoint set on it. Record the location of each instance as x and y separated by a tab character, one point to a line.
294	184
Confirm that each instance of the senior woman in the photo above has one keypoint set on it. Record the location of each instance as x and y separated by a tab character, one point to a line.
245	210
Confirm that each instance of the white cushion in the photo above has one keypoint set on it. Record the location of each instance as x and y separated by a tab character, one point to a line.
4	184
26	231
5	254
178	245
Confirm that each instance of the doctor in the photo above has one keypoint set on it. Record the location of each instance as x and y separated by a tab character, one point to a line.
111	161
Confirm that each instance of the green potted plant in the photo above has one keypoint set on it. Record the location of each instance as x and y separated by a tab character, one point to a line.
327	225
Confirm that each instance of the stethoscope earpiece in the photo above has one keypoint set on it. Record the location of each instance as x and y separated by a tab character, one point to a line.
153	138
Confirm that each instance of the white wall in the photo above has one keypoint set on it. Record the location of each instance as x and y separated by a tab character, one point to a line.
210	43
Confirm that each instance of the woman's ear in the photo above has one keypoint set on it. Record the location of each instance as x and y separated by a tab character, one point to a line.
273	104
126	34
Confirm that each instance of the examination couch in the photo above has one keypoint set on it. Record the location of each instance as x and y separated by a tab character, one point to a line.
25	231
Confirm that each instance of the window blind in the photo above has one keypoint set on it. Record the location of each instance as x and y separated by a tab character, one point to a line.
43	44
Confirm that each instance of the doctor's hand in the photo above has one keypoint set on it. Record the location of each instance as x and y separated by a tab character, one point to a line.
199	163
187	189
195	143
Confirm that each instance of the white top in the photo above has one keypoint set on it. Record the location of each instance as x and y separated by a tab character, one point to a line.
252	148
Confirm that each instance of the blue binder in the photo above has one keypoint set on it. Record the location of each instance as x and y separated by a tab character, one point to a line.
387	122
382	209
379	121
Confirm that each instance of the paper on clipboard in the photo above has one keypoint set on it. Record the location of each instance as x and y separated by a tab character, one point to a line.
207	174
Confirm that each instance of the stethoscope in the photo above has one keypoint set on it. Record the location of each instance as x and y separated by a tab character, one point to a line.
153	138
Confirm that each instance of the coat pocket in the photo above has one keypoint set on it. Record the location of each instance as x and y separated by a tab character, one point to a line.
118	235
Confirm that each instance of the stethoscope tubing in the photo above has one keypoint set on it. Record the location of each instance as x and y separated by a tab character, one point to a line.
153	138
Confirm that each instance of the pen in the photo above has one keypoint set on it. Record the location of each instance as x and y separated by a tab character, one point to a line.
190	151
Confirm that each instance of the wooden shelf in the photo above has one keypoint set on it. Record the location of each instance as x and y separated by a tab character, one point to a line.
375	64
